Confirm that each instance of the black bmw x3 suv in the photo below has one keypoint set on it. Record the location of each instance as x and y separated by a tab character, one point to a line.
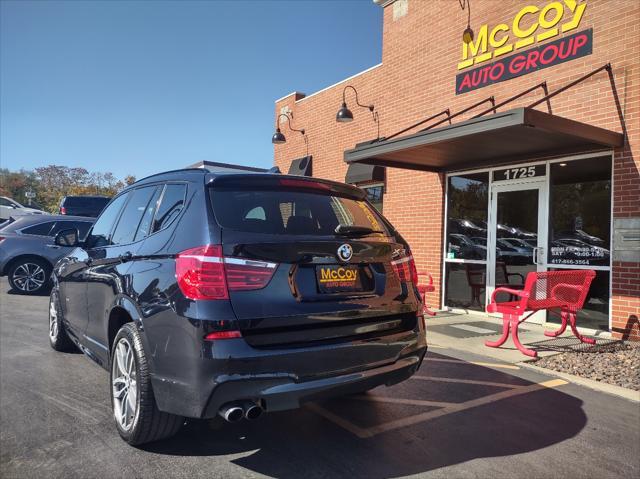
211	294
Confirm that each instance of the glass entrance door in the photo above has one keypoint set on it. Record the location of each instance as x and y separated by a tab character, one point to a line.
517	234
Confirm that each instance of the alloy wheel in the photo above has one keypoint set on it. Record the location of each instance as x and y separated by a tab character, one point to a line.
124	384
29	277
53	319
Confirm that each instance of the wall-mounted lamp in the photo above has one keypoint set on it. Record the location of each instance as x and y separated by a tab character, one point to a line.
345	115
278	137
467	35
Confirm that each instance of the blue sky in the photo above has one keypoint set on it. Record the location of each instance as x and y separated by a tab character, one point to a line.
141	87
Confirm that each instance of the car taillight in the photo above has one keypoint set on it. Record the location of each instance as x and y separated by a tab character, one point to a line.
204	273
1	239
406	269
63	210
243	275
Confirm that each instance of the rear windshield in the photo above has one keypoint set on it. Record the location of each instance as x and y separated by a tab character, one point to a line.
74	201
291	212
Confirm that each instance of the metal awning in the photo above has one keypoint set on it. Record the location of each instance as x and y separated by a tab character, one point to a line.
361	173
301	166
515	135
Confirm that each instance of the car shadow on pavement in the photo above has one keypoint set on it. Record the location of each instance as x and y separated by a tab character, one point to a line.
12	291
305	443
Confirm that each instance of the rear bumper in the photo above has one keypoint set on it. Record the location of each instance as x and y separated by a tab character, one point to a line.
285	379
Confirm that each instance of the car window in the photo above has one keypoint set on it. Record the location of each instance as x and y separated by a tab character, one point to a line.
133	212
5	202
99	235
171	204
92	201
291	211
144	228
81	226
41	229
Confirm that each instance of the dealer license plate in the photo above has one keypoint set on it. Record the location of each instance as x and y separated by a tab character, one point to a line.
338	279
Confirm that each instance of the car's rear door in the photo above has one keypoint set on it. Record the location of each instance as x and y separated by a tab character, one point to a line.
323	286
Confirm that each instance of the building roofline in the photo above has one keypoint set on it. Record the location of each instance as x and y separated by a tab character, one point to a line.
330	86
339	82
288	95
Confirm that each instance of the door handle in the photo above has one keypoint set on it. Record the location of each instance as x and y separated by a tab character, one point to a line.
53	246
124	257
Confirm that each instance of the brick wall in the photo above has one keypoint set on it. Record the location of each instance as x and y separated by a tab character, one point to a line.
416	79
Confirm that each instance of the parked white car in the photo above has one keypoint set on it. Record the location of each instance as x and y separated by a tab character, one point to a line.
10	207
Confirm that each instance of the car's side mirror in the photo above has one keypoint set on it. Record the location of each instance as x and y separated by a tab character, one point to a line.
68	237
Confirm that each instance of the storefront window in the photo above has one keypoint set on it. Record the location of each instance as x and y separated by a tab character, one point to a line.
595	312
580	206
465	285
466	242
467	216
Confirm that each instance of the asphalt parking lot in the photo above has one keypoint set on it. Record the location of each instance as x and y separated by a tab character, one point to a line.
458	417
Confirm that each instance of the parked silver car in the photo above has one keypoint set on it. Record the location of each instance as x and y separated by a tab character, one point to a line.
27	250
10	207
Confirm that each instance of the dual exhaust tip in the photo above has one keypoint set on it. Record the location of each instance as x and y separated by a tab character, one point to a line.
234	412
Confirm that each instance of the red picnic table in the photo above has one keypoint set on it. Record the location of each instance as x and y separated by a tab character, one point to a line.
555	291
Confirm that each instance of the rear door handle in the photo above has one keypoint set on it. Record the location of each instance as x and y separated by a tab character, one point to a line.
52	246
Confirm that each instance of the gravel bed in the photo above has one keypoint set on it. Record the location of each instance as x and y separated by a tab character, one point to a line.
617	364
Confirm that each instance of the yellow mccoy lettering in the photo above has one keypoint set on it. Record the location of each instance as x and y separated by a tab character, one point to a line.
340	274
531	24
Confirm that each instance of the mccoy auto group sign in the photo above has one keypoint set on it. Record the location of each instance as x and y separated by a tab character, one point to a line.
531	25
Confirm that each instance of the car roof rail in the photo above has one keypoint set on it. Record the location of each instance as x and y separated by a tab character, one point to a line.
275	170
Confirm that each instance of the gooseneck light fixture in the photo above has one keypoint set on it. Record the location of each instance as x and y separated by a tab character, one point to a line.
467	35
345	115
278	137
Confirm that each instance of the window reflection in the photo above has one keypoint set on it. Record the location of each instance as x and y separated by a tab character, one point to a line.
375	194
595	312
580	212
465	286
467	204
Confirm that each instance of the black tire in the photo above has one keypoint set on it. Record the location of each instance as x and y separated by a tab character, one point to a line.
148	423
42	273
58	337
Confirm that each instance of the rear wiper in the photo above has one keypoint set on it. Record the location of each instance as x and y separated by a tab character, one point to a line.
348	230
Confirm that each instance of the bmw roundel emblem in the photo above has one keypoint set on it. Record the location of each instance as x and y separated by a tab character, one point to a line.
345	252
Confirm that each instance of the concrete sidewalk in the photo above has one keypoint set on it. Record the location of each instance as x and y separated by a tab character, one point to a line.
468	332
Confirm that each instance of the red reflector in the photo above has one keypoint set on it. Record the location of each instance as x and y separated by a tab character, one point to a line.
222	335
203	273
200	273
63	210
304	184
406	270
